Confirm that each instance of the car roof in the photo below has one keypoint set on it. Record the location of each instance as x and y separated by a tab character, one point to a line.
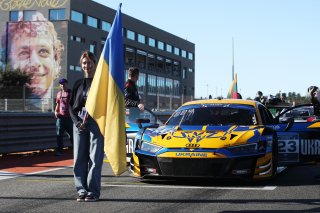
222	101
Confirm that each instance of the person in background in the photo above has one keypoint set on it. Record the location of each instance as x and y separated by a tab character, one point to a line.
260	98
88	140
61	113
131	96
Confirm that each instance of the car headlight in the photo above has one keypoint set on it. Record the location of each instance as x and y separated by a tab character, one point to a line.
148	147
243	149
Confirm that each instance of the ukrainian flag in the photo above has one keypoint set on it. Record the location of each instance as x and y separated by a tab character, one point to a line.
105	102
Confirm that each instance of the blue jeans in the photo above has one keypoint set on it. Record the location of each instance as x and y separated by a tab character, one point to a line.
63	124
88	159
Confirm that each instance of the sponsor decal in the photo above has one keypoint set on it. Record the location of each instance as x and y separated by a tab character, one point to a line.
310	146
129	145
192	145
191	154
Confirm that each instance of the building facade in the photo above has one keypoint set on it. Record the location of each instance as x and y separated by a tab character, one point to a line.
46	38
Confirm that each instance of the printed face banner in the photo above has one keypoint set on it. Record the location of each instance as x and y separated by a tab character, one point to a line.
36	47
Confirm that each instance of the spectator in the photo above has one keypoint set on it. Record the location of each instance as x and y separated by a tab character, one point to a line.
260	98
88	140
61	113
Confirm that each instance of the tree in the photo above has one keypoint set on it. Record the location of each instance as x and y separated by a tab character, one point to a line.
12	83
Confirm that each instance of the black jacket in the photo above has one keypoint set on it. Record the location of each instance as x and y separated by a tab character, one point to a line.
78	99
131	96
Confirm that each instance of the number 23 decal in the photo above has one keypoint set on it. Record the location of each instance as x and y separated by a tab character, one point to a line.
288	146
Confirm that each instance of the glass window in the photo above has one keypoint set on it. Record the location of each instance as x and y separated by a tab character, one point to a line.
169	86
93	47
161	85
184	53
14	15
176	68
141	39
152	42
169	48
105	26
28	14
168	65
176	88
141	59
78	68
141	82
190	70
152	84
151	62
103	40
130	35
190	56
129	56
76	16
160	63
92	22
176	51
57	14
184	72
71	67
160	45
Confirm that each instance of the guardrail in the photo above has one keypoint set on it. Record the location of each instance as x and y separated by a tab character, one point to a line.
21	132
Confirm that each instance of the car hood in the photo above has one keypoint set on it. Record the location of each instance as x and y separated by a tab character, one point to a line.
202	136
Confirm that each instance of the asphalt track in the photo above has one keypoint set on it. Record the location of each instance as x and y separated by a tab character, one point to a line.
43	182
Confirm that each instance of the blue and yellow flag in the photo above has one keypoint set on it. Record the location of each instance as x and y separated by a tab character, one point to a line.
105	102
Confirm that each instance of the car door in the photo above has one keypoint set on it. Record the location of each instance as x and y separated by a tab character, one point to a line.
298	141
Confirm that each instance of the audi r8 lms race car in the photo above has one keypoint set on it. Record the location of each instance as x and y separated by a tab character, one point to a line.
228	138
135	120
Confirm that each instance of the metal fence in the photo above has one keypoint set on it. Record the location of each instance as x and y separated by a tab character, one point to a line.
27	105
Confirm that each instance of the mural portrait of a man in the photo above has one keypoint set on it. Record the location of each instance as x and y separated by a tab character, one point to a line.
33	47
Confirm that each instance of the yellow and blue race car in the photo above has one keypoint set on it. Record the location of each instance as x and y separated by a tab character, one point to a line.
228	138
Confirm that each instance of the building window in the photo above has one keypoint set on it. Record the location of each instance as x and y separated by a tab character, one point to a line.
77	39
93	47
141	39
151	62
103	41
169	86
71	67
14	15
160	45
78	69
160	63
176	68
184	72
141	82
152	42
76	16
176	51
176	88
105	26
190	70
169	48
152	84
130	35
28	14
184	53
57	14
168	65
141	59
129	56
92	22
190	56
161	85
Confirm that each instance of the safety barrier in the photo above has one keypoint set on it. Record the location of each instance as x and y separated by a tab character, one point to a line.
20	132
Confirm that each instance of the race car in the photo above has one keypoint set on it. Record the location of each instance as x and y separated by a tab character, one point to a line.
135	120
224	138
210	138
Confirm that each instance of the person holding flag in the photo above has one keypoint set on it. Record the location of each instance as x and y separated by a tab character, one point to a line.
88	141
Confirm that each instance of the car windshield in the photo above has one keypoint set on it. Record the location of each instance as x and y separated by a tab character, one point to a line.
133	113
214	115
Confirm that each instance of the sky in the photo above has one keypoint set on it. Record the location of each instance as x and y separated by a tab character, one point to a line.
276	42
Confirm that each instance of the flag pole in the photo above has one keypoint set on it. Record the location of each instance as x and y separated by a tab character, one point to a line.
232	59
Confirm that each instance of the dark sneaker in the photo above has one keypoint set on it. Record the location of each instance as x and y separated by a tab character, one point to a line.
81	198
91	198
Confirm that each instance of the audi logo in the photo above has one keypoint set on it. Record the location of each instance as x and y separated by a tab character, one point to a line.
192	145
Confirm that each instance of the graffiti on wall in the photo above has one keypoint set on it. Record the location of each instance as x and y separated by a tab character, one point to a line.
7	5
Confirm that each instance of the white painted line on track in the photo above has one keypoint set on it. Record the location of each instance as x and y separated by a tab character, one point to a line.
265	188
4	175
